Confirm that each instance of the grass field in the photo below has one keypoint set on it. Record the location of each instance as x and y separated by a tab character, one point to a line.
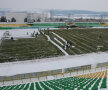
27	49
84	40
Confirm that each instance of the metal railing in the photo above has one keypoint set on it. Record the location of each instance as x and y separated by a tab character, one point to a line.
55	73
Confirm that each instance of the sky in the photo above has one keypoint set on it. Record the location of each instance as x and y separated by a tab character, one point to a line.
92	5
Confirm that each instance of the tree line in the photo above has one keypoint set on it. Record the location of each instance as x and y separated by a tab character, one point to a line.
4	19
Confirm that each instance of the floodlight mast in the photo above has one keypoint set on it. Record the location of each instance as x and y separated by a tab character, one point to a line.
102	18
51	14
30	18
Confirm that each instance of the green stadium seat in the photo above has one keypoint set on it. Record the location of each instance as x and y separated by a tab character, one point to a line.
69	83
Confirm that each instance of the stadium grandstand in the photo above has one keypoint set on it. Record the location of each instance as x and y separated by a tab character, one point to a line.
33	25
79	72
52	25
88	76
89	24
92	81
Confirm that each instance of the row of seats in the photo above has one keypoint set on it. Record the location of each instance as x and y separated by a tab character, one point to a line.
49	24
53	24
14	25
104	24
92	81
89	24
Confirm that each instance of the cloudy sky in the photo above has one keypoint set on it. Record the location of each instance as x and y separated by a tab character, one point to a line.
93	5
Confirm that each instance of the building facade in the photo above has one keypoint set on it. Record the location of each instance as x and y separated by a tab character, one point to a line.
22	17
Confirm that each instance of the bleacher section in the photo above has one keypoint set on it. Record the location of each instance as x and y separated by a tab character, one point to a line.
14	25
54	25
51	25
88	24
34	25
92	81
104	24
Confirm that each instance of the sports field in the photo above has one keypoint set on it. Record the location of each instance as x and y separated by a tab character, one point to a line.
82	40
28	48
54	43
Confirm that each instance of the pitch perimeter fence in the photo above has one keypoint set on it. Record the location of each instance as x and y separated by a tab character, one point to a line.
51	72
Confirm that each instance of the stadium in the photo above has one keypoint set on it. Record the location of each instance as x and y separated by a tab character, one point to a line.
54	56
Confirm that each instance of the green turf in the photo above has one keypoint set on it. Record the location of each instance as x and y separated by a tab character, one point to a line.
85	40
27	49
